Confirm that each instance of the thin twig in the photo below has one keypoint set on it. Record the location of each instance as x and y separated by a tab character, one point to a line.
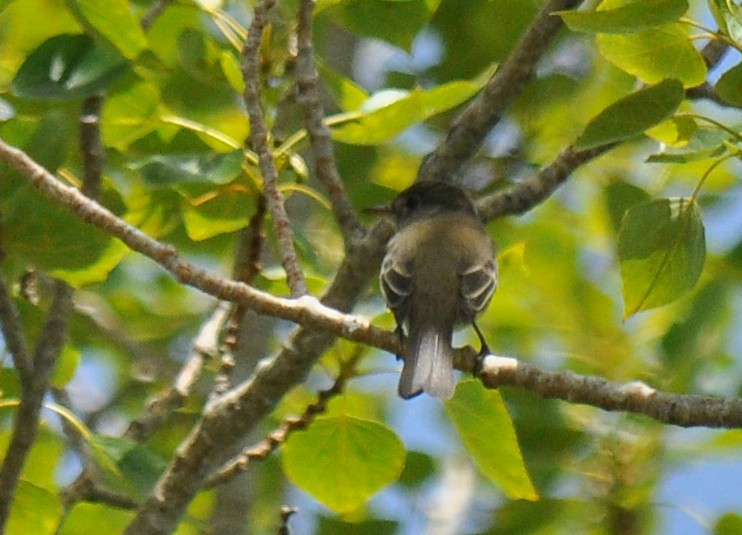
322	149
26	423
259	140
153	13
535	189
471	127
12	330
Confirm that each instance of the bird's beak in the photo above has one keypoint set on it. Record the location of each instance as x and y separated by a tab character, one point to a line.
381	209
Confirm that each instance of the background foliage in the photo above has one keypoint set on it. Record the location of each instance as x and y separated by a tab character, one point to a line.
632	271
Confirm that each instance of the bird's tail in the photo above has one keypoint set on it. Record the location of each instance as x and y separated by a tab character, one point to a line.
428	363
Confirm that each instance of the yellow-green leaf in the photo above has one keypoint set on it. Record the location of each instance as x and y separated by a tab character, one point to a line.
486	430
343	461
636	16
653	55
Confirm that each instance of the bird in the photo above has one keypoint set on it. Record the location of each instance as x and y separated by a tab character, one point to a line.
439	271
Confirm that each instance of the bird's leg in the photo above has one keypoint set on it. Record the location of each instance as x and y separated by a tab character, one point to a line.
484	349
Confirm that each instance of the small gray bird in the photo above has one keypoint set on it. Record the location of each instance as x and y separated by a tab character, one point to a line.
439	271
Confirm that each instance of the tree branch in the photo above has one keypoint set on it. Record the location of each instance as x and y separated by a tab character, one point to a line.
91	145
635	397
12	330
26	423
473	124
319	135
259	141
526	194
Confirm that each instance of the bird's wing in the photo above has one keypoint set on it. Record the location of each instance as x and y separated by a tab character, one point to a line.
397	286
478	283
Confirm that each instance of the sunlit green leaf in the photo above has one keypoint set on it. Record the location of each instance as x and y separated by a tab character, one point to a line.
34	510
68	66
728	16
86	517
225	210
632	114
485	428
65	367
389	113
656	54
661	249
342	461
114	21
130	114
632	17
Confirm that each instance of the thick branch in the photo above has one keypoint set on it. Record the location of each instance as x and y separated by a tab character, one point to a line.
305	310
635	397
471	127
259	141
319	135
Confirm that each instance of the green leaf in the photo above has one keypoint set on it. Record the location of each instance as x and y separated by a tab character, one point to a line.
633	17
336	526
227	210
35	510
632	114
168	170
65	367
729	86
88	517
486	430
728	524
653	55
661	249
620	196
728	16
395	22
342	461
130	114
50	237
68	67
389	113
114	21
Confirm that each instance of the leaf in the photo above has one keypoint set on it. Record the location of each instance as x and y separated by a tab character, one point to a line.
729	86
620	196
728	16
653	55
168	170
486	430
130	114
68	67
632	17
114	21
225	210
395	22
728	524
632	114
65	367
35	510
342	461
86	517
391	112
661	250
